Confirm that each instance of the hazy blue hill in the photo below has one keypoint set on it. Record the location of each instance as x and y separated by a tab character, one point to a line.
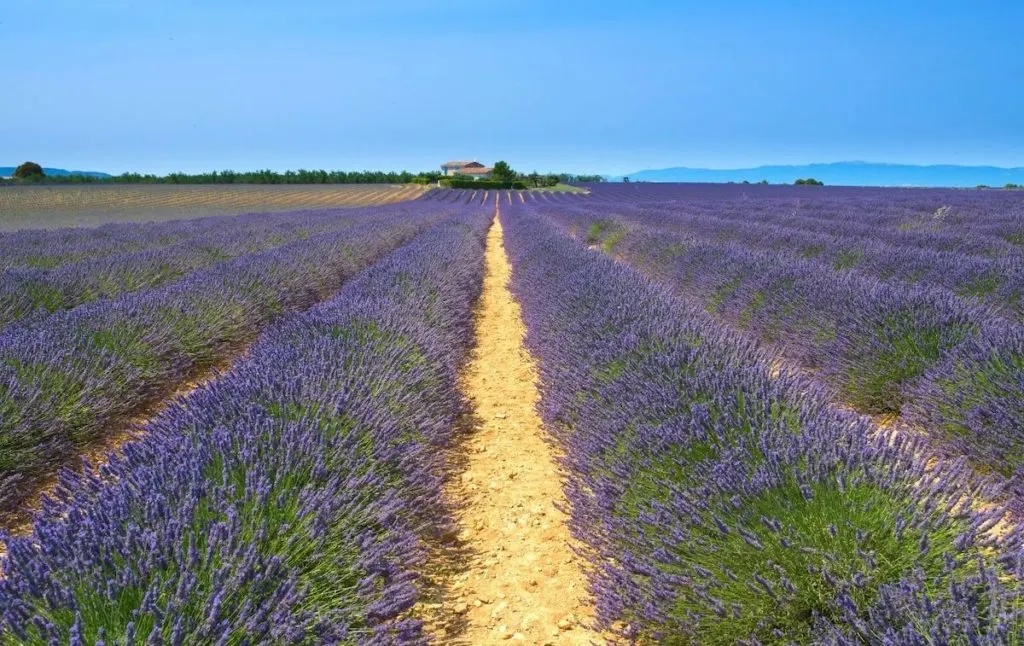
844	174
7	171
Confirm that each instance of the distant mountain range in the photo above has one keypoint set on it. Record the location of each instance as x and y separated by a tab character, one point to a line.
852	173
7	171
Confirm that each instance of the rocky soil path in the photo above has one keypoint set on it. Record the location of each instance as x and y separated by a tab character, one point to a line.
522	583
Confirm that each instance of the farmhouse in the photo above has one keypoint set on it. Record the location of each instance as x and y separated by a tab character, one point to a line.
469	169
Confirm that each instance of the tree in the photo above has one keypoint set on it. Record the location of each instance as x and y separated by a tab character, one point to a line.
502	172
29	169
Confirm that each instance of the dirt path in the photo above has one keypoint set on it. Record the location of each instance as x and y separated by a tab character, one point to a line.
523	582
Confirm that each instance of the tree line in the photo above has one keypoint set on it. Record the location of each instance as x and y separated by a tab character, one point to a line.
30	172
502	172
301	176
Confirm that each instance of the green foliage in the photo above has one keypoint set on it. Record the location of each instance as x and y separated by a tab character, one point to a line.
29	170
482	184
968	388
613	239
536	180
502	172
722	293
300	176
900	351
847	259
811	251
1015	238
982	286
597	230
552	179
810	181
796	560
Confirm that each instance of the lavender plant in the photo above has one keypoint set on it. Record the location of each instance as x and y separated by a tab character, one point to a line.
868	339
47	249
976	223
951	367
973	399
723	505
62	385
286	502
995	282
40	292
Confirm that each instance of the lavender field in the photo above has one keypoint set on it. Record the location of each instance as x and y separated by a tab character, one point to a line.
55	206
777	415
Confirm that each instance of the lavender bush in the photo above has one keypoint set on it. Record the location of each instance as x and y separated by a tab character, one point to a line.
974	399
46	249
950	367
286	502
973	222
40	292
995	282
722	505
868	339
63	384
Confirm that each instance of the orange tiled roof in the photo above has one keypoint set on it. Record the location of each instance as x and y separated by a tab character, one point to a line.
475	171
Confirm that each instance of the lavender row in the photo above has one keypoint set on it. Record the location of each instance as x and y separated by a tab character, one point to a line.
803	216
287	502
928	230
975	399
507	196
46	249
978	223
36	293
995	213
997	283
63	384
885	348
947	367
721	505
868	339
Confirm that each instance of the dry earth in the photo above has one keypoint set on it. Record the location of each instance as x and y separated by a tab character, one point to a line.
522	581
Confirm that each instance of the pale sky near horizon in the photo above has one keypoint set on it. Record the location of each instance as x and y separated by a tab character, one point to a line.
577	86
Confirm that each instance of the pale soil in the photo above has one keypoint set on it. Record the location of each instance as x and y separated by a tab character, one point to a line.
522	581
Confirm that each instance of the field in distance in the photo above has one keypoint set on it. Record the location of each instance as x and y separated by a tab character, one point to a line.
54	206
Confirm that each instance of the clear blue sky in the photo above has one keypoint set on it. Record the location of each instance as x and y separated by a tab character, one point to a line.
575	85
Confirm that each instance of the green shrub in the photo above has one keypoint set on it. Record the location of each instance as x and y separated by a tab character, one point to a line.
29	170
482	184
